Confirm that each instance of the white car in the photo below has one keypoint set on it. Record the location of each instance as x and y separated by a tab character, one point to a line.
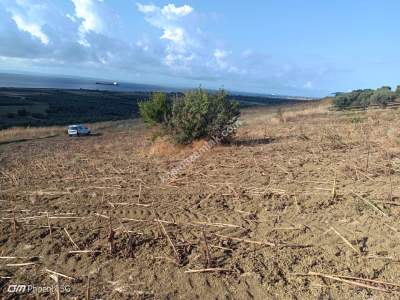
78	130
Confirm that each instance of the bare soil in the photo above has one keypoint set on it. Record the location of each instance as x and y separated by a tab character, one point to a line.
295	204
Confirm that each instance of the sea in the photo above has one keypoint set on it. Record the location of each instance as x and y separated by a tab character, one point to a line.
75	83
13	80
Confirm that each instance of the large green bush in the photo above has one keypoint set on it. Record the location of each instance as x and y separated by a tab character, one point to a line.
221	114
202	115
364	97
157	110
198	114
382	97
342	101
189	116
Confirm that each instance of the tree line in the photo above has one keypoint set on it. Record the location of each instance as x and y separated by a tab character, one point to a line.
366	97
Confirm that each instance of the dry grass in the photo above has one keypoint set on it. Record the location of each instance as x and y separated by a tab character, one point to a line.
315	195
259	121
21	133
31	133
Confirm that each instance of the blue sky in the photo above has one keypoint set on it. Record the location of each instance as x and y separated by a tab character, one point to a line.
294	47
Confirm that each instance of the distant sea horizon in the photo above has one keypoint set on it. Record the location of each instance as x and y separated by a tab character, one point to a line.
14	80
17	80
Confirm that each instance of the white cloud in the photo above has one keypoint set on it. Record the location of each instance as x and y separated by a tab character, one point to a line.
27	17
86	10
174	34
86	40
188	50
90	14
170	11
32	28
150	8
173	59
60	36
180	38
220	56
223	64
72	18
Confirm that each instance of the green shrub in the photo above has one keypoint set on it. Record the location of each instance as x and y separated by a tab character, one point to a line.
364	98
202	115
221	114
189	116
157	110
382	97
342	101
197	114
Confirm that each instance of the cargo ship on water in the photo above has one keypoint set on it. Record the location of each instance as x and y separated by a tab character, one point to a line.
107	83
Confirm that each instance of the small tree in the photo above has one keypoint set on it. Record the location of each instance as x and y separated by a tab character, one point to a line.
364	98
157	110
342	101
222	113
196	115
189	116
202	115
382	97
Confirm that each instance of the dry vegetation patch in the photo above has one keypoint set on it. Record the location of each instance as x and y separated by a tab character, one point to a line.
300	207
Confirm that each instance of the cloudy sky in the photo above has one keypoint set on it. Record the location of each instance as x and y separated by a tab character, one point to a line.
311	47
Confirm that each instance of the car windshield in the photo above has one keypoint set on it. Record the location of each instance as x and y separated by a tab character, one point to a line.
73	127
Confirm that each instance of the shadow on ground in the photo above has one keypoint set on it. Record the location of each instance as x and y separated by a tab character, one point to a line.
27	140
45	137
254	142
87	136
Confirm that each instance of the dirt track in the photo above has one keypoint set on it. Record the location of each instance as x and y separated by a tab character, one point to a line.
312	192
